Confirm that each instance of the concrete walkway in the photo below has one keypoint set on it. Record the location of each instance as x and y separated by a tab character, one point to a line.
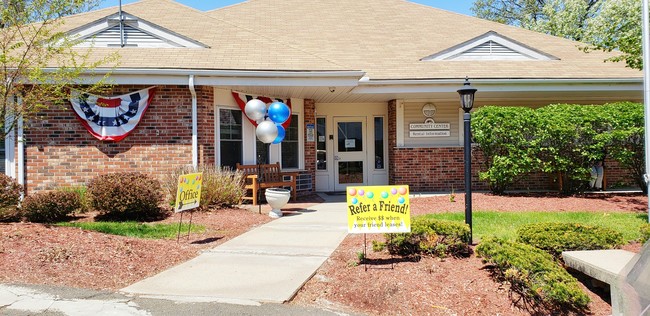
268	264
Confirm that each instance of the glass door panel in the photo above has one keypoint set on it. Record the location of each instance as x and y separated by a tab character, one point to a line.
350	152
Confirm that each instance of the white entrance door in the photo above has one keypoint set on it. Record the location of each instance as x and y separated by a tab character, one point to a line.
350	159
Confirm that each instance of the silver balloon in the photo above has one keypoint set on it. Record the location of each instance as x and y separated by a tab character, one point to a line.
266	132
255	109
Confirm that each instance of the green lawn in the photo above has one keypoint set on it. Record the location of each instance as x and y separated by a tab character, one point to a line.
134	229
505	224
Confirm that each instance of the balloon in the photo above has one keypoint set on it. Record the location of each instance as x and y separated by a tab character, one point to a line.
352	191
255	109
281	133
279	112
266	132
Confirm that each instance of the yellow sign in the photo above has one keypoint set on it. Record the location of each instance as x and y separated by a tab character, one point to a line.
188	195
379	209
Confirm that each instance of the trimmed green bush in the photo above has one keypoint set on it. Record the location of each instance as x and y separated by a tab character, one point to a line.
533	273
127	196
563	140
557	237
49	207
9	198
429	236
221	187
645	233
81	193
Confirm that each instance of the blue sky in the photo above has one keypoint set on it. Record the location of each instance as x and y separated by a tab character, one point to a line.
460	6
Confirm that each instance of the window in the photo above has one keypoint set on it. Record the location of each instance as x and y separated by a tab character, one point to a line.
262	152
230	132
321	144
290	153
379	143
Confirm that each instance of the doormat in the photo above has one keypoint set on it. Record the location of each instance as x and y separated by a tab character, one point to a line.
335	193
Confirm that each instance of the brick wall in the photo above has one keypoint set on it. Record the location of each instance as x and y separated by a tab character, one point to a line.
310	147
206	125
60	152
442	168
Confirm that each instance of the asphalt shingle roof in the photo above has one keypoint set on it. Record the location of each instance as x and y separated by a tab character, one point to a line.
384	38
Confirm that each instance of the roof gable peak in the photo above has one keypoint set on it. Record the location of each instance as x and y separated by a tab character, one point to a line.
132	32
490	46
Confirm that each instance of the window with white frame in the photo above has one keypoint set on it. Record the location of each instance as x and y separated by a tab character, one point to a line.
290	145
230	137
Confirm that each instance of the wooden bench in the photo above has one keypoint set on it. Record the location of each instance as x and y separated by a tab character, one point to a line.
264	176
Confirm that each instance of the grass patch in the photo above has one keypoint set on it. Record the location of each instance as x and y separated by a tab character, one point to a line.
135	229
505	224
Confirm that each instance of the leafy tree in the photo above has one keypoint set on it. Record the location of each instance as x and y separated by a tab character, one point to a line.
506	137
618	27
38	61
601	24
626	141
568	142
563	140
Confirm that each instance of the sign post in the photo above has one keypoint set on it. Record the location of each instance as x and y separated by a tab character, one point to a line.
188	196
378	209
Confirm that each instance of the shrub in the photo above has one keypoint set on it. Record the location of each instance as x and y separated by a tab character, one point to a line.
9	198
126	196
81	193
557	237
429	236
645	233
533	273
505	136
49	207
221	187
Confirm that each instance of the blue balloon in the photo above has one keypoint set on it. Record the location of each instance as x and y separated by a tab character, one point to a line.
279	112
281	133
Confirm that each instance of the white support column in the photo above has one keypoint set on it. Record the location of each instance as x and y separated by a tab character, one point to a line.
195	137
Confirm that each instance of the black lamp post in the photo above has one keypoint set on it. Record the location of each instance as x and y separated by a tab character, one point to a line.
466	103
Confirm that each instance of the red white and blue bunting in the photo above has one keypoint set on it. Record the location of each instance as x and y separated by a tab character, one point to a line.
242	98
111	118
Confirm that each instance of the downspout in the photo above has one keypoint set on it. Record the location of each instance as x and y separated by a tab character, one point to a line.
195	138
21	151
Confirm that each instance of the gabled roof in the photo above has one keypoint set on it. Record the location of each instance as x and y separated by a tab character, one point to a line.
387	39
134	32
490	46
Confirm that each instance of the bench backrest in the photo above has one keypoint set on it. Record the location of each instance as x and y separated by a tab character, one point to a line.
265	172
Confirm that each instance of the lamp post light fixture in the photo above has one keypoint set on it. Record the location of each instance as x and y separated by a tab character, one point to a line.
466	103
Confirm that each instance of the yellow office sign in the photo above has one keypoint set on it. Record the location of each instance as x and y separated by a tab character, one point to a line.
188	195
378	209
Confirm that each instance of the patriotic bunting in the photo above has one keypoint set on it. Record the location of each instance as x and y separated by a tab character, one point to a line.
111	118
242	98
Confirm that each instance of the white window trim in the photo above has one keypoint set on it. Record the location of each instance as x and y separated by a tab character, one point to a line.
218	133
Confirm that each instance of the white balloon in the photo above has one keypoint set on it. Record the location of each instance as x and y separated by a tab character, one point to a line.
255	109
266	132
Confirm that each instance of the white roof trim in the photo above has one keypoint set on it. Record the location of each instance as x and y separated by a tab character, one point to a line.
161	37
490	46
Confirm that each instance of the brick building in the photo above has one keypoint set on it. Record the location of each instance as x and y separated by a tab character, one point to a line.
372	85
